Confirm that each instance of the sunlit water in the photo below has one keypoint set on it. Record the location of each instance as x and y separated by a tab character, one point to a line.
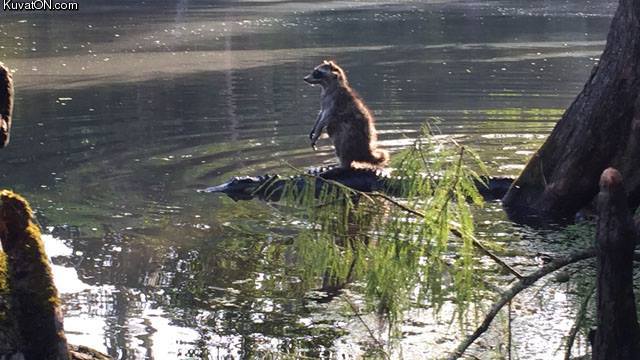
123	110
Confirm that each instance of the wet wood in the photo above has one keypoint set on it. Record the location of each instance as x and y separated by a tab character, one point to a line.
618	334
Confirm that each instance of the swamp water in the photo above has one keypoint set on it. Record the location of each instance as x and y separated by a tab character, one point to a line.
124	109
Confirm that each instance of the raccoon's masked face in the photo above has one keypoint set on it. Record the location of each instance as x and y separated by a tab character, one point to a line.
322	74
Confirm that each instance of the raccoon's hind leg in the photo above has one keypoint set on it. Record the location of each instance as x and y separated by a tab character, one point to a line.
344	159
345	164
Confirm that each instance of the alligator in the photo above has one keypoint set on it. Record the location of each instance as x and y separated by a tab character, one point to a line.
269	187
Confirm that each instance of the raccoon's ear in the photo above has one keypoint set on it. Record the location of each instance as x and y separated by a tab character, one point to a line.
336	70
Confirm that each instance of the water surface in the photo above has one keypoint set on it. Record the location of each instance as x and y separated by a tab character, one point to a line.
124	109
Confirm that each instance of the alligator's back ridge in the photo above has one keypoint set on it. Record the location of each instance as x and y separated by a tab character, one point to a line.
270	187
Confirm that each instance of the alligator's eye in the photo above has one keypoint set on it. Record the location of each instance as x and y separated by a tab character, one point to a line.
317	74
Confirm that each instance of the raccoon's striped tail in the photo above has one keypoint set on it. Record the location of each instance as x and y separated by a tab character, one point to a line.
6	105
379	159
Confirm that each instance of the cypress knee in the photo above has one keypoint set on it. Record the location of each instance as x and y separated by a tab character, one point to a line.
618	334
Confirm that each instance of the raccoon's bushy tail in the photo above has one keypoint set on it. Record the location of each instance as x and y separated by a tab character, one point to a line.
6	105
379	158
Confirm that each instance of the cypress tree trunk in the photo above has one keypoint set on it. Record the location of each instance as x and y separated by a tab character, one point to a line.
601	128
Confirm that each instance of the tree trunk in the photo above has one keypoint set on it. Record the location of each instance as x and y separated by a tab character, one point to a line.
6	105
601	128
618	333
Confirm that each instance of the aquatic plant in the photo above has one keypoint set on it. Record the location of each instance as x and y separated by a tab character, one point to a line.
417	248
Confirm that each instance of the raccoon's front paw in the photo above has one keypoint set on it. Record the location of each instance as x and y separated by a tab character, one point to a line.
313	145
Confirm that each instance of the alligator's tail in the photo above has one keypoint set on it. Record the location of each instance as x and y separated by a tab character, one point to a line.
6	105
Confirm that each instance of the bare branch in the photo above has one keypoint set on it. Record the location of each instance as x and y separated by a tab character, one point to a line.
515	289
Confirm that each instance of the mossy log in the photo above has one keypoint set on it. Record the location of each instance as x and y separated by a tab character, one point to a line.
34	306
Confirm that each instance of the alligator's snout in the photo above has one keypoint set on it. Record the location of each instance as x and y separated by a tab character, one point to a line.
238	188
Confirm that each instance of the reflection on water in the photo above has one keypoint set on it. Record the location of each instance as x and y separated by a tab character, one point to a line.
125	109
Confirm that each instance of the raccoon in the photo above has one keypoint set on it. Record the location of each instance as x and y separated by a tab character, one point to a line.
346	118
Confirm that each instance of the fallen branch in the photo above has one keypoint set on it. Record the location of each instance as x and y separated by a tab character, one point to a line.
515	289
487	252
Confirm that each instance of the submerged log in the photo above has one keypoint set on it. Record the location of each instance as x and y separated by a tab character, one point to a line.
6	105
601	128
618	334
